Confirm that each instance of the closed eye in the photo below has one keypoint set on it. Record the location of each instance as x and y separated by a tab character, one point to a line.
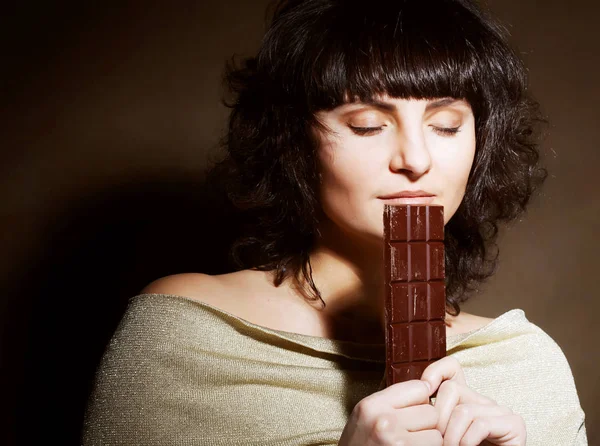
365	131
446	131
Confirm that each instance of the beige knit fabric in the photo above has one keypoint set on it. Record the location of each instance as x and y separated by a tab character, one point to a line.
180	372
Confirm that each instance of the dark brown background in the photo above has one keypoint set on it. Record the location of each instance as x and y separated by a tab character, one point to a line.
109	116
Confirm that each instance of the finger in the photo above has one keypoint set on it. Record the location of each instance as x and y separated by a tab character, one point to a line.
447	368
391	426
421	418
450	395
503	430
464	415
399	395
384	433
429	438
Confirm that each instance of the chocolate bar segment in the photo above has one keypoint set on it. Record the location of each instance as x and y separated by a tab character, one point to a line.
415	301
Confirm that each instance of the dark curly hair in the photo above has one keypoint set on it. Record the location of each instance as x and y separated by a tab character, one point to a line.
318	53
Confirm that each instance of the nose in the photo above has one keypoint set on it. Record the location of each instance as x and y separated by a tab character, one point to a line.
411	155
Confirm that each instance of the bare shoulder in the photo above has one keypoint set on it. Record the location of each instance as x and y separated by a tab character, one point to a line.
466	322
193	286
474	322
213	290
247	294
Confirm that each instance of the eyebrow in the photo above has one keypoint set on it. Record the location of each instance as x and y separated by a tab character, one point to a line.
389	107
441	103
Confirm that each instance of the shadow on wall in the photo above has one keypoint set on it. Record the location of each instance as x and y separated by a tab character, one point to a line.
97	253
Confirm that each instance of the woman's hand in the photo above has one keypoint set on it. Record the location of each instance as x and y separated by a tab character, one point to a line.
467	418
399	414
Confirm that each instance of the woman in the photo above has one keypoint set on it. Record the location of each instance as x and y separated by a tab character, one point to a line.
349	106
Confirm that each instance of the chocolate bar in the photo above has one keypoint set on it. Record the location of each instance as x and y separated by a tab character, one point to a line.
415	293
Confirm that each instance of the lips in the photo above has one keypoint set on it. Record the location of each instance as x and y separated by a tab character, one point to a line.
408	194
408	197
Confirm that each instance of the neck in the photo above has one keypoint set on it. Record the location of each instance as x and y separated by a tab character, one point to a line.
348	272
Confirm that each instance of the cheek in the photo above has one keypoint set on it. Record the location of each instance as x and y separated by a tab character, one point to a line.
458	172
349	181
457	166
348	172
465	162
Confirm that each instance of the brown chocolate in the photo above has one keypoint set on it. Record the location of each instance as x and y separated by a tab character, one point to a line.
415	300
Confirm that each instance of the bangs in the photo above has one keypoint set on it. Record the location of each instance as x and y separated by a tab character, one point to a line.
356	51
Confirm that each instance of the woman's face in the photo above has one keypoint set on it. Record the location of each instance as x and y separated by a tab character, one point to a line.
393	151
